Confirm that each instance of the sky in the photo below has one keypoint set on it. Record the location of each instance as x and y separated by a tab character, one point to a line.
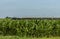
30	8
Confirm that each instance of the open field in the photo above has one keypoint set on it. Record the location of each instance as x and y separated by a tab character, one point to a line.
14	37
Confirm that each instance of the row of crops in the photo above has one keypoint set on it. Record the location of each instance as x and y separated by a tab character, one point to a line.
30	27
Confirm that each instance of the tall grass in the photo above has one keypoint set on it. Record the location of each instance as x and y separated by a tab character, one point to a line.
30	28
16	37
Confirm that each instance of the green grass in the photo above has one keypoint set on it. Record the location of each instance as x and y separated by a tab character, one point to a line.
15	37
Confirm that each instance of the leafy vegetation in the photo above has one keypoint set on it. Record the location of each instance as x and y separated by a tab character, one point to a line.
16	37
30	27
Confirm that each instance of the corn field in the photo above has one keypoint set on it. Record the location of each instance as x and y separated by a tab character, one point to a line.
30	28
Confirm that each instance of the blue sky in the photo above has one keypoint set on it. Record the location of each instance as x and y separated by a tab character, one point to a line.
30	8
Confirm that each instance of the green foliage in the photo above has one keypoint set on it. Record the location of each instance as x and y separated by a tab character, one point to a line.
30	28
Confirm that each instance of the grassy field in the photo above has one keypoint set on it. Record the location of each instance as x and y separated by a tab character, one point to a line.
14	37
